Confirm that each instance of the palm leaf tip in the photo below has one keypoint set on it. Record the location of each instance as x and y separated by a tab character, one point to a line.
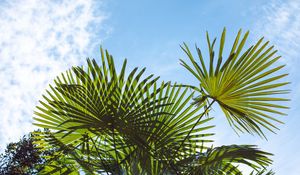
248	85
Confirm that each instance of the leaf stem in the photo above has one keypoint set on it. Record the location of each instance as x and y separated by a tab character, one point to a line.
205	111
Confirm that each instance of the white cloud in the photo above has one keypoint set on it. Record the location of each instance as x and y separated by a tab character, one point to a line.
38	40
279	22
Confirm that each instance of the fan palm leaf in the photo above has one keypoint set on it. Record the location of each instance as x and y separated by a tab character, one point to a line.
110	120
105	122
225	160
247	85
262	172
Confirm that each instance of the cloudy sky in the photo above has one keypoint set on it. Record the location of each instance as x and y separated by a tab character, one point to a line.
40	39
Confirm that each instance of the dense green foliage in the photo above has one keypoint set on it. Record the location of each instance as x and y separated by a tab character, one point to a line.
104	121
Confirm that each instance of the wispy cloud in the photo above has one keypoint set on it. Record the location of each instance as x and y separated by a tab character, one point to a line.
38	40
279	22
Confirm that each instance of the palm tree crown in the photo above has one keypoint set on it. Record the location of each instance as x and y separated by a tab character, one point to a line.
106	122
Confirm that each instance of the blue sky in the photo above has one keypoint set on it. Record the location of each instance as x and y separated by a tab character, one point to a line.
41	39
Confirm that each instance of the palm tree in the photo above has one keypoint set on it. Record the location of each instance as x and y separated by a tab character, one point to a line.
104	122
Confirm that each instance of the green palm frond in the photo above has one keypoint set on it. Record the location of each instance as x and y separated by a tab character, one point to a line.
98	101
118	123
66	159
247	85
100	106
226	160
262	172
104	122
